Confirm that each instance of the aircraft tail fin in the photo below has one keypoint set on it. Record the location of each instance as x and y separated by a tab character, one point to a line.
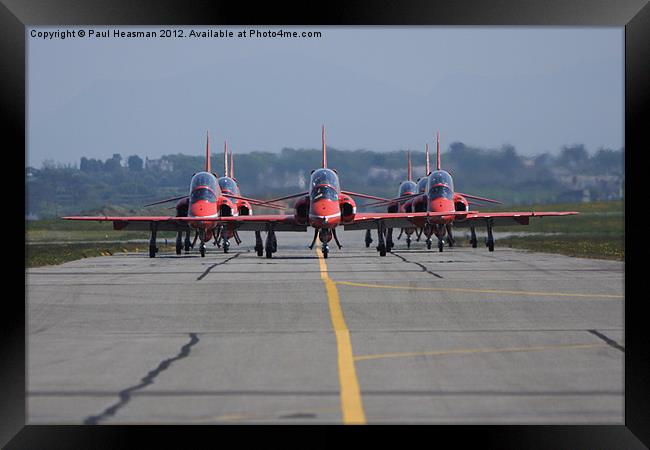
225	158
438	149
408	155
428	168
324	149
207	152
232	165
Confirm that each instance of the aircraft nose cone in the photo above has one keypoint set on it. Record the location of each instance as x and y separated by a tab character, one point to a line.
441	205
325	213
202	208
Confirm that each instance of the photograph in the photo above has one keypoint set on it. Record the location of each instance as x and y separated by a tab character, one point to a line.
327	225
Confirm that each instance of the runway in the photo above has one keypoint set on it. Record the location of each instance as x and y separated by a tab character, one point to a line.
464	336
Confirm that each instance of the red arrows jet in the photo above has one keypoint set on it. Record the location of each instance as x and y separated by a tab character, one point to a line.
323	207
402	203
230	188
200	210
445	208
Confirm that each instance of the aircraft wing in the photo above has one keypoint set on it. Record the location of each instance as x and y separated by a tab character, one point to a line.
505	218
368	221
170	223
280	222
138	223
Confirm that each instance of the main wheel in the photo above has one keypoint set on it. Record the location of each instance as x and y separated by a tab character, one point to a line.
269	253
428	244
179	249
260	251
474	244
152	251
491	246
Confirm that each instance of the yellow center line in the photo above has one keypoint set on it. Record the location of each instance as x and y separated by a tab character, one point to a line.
476	350
351	404
482	291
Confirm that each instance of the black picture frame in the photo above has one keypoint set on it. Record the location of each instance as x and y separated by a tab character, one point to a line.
634	15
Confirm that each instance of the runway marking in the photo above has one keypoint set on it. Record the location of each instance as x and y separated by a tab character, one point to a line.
481	291
351	405
476	350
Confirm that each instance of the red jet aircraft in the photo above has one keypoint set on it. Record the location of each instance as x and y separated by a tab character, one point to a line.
200	210
407	190
445	208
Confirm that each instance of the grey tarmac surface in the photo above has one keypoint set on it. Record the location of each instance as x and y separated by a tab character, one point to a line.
463	336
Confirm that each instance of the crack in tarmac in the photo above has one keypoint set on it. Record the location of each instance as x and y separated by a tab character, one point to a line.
125	394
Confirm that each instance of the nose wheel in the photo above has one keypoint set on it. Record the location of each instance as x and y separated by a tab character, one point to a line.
325	249
408	241
226	245
440	245
202	249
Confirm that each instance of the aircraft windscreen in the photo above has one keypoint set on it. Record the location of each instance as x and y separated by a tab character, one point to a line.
407	187
322	192
228	184
324	176
205	179
440	191
203	194
441	177
422	185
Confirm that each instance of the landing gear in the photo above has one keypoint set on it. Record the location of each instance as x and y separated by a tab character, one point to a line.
401	231
201	236
389	239
451	239
368	238
381	248
408	241
152	241
440	245
336	239
187	244
472	239
325	249
226	245
179	242
429	243
489	242
259	247
271	242
313	242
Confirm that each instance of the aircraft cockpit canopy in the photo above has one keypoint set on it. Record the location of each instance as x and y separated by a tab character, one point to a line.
228	184
325	176
204	186
441	177
422	185
407	187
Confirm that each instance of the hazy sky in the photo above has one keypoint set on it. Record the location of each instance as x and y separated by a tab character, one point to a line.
377	88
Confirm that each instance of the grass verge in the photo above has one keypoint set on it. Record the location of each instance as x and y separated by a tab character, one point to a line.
37	255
